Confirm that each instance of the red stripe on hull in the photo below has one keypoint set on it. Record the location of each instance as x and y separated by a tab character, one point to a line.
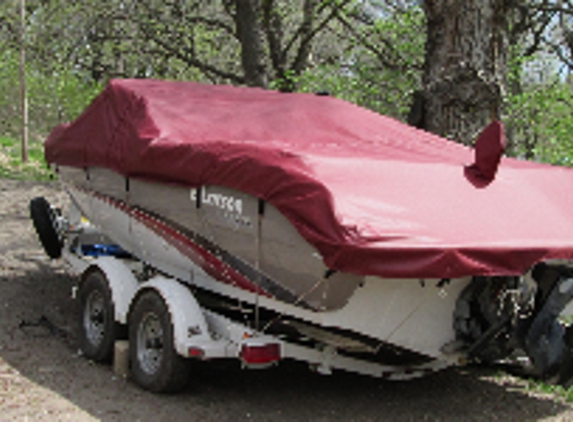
211	264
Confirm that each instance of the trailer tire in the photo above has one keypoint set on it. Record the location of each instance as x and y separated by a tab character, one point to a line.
155	364
98	329
44	220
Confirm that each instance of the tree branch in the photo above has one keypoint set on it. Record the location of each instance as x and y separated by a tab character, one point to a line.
380	55
213	23
538	33
307	33
300	29
192	60
559	53
273	30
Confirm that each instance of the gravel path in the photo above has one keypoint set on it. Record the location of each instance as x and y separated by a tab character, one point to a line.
42	377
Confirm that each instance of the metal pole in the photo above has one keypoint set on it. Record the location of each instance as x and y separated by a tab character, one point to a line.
258	268
24	99
258	257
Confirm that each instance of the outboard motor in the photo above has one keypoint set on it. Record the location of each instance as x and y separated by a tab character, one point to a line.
495	316
546	341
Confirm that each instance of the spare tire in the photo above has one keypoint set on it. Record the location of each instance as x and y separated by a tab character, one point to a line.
44	220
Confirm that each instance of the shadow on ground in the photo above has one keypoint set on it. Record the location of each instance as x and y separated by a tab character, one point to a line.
38	341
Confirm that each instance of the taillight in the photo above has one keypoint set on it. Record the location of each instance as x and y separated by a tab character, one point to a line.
257	353
196	352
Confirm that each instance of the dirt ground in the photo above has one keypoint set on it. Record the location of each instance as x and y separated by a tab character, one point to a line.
44	378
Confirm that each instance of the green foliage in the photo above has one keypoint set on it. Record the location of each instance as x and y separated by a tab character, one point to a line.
12	167
556	390
542	119
53	98
9	93
371	54
57	98
539	108
382	67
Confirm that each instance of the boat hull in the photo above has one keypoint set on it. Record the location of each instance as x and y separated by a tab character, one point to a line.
221	243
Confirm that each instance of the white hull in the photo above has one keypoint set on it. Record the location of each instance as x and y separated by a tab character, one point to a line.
416	314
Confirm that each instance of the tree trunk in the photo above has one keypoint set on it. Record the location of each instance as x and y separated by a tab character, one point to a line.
249	32
465	66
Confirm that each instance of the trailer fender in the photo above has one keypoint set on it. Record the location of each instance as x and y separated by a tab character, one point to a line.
189	324
122	283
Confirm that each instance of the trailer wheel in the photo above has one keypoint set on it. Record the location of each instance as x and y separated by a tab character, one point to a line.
97	324
155	364
44	220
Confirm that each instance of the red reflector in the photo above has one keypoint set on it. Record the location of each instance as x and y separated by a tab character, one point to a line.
260	354
196	352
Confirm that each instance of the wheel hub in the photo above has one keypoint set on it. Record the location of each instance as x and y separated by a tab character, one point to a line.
94	318
150	343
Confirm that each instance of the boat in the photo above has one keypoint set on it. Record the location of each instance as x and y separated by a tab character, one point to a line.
353	240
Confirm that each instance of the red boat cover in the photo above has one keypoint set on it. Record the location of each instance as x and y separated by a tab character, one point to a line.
373	195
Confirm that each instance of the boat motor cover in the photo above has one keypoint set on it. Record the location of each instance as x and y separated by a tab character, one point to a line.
374	196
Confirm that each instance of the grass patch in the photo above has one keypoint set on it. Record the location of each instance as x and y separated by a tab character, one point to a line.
556	390
11	166
6	142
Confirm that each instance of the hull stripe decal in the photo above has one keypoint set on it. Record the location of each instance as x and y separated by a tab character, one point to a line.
214	260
